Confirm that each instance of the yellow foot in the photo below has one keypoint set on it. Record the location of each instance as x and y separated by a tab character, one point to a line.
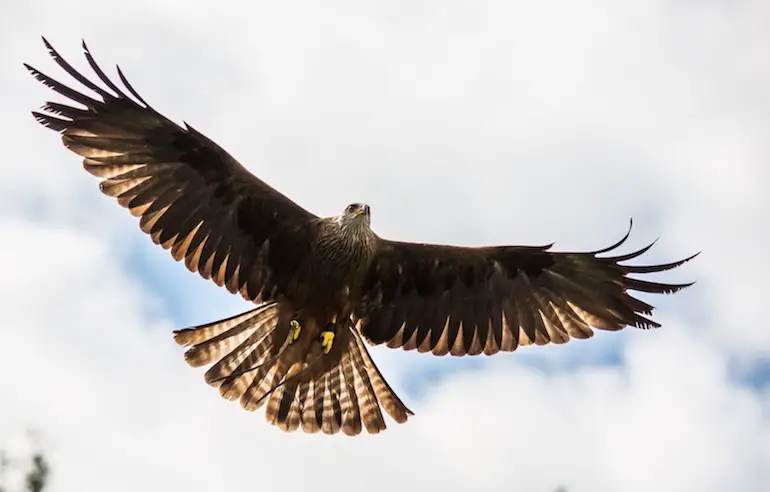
295	329
327	340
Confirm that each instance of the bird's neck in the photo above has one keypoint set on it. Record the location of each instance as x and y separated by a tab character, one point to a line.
356	233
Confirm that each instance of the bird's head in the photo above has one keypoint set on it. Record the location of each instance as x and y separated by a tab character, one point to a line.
356	215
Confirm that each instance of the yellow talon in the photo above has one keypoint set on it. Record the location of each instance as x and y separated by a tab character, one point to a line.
296	328
327	340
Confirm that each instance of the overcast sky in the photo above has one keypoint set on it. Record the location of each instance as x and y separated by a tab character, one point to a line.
461	122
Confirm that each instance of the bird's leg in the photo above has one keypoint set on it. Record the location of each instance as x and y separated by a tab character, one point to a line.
295	329
327	336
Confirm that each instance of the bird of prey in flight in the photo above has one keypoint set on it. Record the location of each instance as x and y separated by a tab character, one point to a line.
321	286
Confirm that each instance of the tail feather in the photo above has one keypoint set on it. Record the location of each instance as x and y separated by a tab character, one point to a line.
376	390
237	375
307	410
351	414
330	416
248	354
278	406
299	385
298	405
285	406
253	399
318	405
211	341
370	410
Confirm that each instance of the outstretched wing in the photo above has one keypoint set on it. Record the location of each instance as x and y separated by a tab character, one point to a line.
192	197
447	299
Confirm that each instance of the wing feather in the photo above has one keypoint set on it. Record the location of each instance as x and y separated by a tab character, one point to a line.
190	195
468	301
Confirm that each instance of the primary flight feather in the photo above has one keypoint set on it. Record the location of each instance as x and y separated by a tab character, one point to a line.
322	285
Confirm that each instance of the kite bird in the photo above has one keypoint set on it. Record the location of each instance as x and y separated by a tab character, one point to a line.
321	286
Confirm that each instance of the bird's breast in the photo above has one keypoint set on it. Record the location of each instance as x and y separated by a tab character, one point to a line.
334	270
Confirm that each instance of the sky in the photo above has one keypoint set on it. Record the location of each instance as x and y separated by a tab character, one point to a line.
472	123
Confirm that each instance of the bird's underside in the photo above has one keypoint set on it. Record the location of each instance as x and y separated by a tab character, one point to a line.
321	286
317	378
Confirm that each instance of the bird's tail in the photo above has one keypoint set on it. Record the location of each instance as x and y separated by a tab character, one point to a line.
254	362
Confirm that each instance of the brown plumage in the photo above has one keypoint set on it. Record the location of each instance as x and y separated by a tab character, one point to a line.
329	275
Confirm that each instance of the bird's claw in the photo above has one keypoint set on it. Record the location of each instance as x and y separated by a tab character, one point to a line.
295	329
327	340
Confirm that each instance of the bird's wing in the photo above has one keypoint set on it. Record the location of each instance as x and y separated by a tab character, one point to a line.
462	300
192	197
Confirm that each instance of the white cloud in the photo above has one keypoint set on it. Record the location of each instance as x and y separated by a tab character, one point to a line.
490	123
670	420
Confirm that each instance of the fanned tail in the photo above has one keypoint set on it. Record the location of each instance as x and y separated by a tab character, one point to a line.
254	363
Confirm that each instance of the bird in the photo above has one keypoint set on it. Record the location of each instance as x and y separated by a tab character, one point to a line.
324	288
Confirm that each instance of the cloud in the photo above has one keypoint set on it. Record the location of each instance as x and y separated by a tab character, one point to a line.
669	420
491	123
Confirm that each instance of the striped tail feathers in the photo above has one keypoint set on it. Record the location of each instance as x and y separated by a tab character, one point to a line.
243	348
240	373
281	408
309	395
338	398
300	385
256	367
211	341
316	397
375	384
